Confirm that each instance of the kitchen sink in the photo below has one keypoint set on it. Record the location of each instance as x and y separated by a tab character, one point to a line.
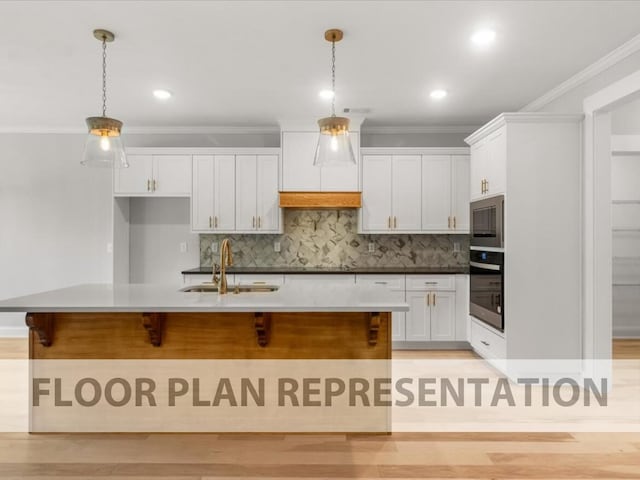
231	289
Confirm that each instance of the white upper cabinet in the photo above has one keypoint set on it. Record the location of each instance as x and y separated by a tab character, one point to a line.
300	175
406	179
376	193
460	192
416	193
489	165
391	193
436	192
159	175
257	194
213	200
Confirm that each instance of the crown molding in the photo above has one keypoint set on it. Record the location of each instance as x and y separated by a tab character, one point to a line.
380	130
414	150
599	66
521	117
178	130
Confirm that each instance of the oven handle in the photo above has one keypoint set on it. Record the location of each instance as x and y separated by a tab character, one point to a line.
486	266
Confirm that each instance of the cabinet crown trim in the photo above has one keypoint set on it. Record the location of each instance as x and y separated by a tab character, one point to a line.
202	151
521	117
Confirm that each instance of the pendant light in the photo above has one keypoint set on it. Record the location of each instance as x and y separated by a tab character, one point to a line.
103	147
334	146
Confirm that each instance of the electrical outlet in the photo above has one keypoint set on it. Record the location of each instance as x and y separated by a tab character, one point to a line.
456	247
183	247
214	247
372	247
276	246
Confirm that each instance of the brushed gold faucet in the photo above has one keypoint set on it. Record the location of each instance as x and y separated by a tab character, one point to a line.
226	260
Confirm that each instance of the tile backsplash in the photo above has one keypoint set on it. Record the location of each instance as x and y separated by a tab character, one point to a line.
329	238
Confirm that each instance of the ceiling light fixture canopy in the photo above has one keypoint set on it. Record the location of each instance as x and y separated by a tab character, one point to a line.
103	147
334	146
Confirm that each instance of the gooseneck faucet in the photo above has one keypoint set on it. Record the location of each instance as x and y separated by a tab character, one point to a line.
226	260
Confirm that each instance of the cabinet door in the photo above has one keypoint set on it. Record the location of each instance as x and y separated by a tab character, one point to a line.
137	178
407	198
376	193
203	192
267	185
436	193
172	175
443	316
298	172
460	192
477	168
418	317
224	215
497	163
342	178
246	193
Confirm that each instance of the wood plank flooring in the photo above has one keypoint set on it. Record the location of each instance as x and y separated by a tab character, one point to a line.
479	456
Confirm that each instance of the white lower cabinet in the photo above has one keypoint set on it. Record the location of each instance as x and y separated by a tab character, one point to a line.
432	308
396	285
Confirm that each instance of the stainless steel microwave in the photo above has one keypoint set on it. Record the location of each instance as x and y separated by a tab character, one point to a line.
487	222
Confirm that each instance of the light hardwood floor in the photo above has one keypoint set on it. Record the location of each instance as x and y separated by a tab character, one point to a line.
481	456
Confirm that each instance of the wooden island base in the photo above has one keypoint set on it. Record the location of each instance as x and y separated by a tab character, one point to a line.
210	335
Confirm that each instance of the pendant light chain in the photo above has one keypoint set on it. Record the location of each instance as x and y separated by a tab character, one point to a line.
104	76
333	78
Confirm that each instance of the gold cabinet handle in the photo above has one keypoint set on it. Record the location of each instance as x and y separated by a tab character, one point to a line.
210	222
454	222
215	221
395	222
259	221
434	299
155	185
486	186
428	299
449	222
389	221
148	185
253	222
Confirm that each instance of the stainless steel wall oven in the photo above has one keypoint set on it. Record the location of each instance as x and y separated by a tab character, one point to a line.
487	287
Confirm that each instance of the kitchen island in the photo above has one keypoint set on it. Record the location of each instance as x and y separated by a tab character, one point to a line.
152	321
200	349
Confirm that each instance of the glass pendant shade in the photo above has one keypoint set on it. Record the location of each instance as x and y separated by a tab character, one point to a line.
334	146
103	147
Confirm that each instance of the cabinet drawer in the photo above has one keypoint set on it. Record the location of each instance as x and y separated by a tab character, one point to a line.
258	279
392	282
487	343
431	282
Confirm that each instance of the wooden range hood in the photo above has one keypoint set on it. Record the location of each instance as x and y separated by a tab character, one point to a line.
318	200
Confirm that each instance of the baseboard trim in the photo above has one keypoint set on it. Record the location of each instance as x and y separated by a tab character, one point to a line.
14	332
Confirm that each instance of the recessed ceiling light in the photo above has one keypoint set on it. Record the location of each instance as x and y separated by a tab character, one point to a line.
161	94
483	38
438	94
326	94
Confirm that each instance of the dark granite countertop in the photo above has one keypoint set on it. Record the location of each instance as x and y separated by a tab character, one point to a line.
320	270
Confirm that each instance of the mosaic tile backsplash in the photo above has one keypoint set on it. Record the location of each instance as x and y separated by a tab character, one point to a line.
329	238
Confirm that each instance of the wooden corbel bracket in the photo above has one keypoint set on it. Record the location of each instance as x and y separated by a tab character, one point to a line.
42	324
374	327
262	325
154	325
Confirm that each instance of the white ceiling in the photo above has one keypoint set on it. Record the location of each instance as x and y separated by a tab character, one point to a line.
238	63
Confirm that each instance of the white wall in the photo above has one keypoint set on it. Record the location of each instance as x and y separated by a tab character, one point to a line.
157	227
571	102
625	120
55	218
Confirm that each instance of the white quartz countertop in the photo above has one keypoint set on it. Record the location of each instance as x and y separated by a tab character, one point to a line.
169	298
